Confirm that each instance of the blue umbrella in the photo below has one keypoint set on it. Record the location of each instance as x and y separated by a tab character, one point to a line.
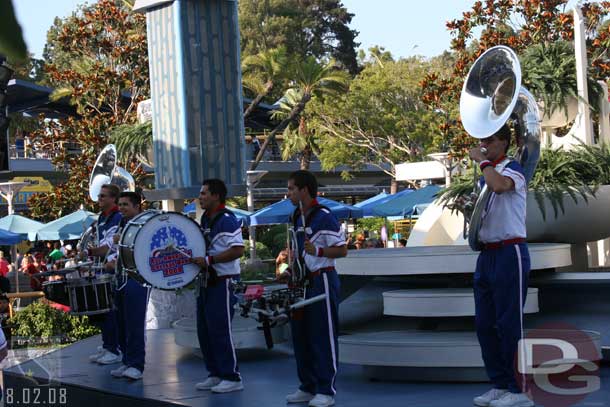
69	227
240	214
403	205
21	225
280	212
9	238
371	203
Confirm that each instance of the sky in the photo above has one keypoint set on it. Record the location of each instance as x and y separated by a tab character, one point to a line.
403	27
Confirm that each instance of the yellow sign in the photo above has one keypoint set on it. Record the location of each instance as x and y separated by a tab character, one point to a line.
37	185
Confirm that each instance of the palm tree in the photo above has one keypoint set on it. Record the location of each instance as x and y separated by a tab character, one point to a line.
311	79
296	140
133	141
261	72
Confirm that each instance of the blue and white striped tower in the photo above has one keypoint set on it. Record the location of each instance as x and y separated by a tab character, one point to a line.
195	79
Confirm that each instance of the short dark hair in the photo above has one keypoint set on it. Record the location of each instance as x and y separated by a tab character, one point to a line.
216	187
134	197
504	133
113	190
302	179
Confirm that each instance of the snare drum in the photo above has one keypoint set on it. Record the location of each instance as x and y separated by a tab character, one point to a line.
56	291
90	296
156	247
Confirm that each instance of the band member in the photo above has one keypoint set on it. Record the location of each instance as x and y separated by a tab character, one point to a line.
501	276
130	301
107	226
216	300
315	330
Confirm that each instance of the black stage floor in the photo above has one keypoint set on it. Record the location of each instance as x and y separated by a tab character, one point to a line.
172	371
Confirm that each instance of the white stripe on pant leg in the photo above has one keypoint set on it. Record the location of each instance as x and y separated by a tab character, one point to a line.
229	324
330	332
520	347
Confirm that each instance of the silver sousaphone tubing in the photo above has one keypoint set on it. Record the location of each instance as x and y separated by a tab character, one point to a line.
106	171
492	95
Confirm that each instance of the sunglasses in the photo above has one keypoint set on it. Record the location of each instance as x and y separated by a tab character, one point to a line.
102	196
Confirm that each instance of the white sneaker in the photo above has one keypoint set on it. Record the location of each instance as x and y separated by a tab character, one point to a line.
513	400
322	400
208	383
110	358
132	373
100	352
484	400
299	396
227	386
118	372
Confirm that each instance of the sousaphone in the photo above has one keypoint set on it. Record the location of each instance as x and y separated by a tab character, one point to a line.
492	95
106	171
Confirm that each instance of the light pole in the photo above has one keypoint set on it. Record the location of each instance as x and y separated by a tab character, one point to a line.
252	179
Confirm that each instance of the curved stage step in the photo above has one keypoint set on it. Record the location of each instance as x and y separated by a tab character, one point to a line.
246	334
439	260
440	302
422	355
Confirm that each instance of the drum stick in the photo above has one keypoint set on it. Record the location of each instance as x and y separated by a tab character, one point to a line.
182	252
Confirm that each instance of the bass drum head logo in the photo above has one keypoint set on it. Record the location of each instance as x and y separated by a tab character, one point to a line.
557	365
169	252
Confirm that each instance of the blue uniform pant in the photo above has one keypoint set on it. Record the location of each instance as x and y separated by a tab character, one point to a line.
315	336
130	303
500	291
108	324
215	309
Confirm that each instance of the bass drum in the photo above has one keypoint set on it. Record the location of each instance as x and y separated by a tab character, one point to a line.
156	247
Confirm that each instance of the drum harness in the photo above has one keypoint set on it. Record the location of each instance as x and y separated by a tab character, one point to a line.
277	307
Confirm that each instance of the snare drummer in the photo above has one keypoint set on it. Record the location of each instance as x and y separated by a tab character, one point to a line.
130	301
107	226
216	301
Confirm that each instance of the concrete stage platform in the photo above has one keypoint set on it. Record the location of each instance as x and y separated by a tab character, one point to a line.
172	372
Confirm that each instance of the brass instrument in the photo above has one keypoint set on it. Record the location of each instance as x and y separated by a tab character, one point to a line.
491	96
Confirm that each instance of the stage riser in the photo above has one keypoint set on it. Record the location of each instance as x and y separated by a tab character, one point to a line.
24	389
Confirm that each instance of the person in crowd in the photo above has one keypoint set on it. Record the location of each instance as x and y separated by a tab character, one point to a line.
5	267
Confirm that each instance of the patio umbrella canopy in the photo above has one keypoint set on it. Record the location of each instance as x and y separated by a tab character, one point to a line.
69	227
403	205
21	225
9	238
371	203
280	212
240	214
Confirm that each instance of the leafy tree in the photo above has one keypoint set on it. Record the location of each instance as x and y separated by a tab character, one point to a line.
380	121
318	28
517	24
98	58
312	79
11	38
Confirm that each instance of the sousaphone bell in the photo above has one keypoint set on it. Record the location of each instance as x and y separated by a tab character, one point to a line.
491	96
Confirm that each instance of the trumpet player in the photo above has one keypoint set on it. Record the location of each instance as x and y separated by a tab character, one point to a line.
502	271
315	331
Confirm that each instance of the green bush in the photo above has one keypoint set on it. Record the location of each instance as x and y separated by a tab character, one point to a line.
41	322
262	251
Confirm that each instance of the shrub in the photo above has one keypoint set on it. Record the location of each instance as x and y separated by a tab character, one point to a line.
41	322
